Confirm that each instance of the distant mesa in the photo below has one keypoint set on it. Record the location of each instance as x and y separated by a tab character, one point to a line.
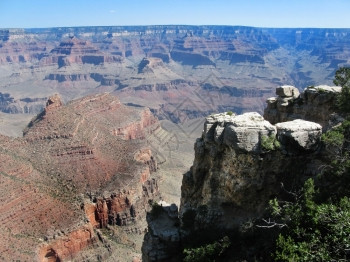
75	50
148	64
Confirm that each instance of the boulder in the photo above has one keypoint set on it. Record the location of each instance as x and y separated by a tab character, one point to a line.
287	91
53	102
299	134
272	102
245	131
211	124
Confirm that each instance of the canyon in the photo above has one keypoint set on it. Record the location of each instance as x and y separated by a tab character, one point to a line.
98	124
179	72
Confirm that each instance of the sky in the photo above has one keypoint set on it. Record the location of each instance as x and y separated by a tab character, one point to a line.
258	13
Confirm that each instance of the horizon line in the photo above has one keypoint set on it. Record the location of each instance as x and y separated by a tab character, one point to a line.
185	25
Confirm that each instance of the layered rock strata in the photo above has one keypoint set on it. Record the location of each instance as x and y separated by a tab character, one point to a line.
71	174
80	51
180	72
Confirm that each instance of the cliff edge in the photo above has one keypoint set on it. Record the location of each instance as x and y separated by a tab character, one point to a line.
243	161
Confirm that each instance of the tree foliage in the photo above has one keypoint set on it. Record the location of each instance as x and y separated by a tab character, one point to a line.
207	253
342	78
315	232
269	143
317	221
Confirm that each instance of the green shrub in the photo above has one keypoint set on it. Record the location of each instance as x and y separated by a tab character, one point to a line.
321	91
333	138
230	113
342	78
315	231
269	143
207	253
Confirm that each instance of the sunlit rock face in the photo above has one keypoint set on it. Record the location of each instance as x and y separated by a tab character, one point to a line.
179	72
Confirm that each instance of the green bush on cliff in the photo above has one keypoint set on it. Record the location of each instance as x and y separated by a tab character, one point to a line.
316	223
316	231
269	143
207	253
337	170
333	138
342	78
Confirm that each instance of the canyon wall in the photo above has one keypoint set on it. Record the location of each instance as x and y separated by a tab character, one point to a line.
71	176
241	162
179	72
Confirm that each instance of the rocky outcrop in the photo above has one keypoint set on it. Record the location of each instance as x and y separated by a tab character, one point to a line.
53	103
138	130
148	64
242	132
163	241
299	134
316	104
234	173
70	175
67	247
125	208
241	162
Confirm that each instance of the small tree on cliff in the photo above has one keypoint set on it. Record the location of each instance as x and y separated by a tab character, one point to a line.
342	78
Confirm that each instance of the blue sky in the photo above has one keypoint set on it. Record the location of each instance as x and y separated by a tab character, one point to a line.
259	13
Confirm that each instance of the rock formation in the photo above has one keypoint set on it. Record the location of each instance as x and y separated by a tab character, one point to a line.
240	163
315	104
236	173
72	174
164	241
75	50
186	71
